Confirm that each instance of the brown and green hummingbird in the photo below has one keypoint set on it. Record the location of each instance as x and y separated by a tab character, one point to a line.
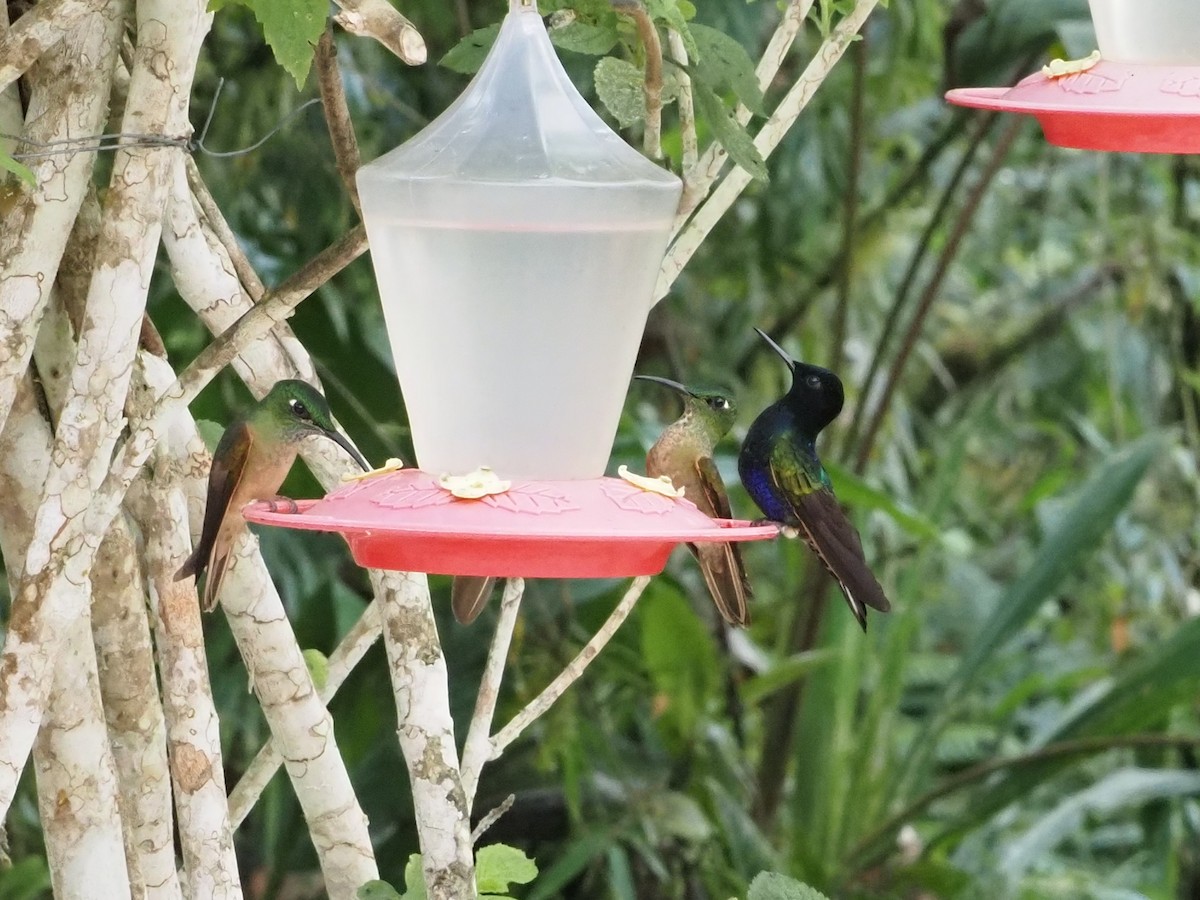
782	473
684	452
252	458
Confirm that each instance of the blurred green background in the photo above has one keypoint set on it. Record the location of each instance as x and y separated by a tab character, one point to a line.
1027	495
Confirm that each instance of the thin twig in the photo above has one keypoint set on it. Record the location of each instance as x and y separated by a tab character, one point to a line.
961	226
568	676
700	175
652	83
477	747
492	817
220	228
904	290
767	139
275	307
337	116
850	205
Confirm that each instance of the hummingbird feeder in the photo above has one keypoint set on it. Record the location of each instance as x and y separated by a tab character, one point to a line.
1140	92
516	241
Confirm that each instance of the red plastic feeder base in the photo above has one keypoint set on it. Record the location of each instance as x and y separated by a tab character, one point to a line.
595	528
1111	106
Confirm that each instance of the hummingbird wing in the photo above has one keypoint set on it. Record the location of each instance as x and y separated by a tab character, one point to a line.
212	551
469	594
721	562
828	533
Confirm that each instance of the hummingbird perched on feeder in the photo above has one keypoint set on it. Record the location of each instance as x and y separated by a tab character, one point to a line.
684	452
252	458
782	473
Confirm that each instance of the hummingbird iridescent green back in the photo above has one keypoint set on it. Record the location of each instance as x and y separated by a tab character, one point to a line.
684	452
782	473
252	458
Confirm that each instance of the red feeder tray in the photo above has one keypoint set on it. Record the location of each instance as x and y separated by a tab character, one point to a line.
1111	106
591	528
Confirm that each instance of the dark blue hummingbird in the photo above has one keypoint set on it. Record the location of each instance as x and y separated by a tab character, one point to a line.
782	473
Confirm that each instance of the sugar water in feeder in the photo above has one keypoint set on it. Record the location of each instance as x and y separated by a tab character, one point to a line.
516	241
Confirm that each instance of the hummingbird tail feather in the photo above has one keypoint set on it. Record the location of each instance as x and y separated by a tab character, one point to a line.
190	567
469	594
725	575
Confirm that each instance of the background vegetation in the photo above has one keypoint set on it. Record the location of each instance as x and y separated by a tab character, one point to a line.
1017	328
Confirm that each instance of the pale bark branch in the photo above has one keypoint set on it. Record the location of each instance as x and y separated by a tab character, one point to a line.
358	640
685	102
197	768
137	731
767	139
426	734
52	592
568	676
76	777
38	29
478	745
67	99
215	220
380	20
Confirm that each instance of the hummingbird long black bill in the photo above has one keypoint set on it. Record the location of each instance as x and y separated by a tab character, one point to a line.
673	385
784	355
344	443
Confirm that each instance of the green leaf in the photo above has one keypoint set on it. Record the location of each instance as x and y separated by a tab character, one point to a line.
784	674
724	63
1126	787
773	886
1078	534
679	654
414	879
468	54
585	37
26	879
499	865
8	164
291	29
736	141
318	668
377	890
619	86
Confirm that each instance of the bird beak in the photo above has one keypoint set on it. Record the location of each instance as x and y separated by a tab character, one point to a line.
338	438
791	363
673	385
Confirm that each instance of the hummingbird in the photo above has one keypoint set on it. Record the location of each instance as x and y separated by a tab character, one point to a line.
781	471
252	458
469	594
684	452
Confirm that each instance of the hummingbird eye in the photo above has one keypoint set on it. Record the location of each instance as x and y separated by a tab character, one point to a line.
813	381
299	409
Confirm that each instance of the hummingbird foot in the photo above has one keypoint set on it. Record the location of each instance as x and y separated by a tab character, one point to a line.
290	505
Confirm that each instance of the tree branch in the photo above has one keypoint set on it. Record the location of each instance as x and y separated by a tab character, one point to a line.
380	20
337	116
568	676
477	747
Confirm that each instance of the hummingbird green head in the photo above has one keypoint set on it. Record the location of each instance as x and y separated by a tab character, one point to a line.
712	410
816	395
292	410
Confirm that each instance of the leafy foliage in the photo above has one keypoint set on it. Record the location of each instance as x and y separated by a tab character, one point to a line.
291	28
1030	502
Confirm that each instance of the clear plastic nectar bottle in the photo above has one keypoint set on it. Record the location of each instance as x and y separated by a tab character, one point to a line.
516	241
